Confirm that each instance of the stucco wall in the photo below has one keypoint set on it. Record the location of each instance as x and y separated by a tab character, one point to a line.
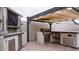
65	25
34	27
1	18
24	29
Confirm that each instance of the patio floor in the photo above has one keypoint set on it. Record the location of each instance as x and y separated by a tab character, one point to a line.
34	46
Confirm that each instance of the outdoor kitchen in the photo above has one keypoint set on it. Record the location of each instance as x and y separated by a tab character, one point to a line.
10	30
68	38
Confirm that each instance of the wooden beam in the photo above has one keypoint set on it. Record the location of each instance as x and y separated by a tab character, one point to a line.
75	8
70	14
52	21
73	11
40	21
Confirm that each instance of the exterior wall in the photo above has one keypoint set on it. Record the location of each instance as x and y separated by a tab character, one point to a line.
5	19
65	26
1	43
1	18
78	40
35	27
24	29
19	24
61	26
1	13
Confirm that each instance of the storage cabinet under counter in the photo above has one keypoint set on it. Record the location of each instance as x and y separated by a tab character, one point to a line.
69	39
43	37
55	37
11	41
9	44
66	38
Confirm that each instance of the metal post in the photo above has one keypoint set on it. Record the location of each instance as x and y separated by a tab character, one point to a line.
50	24
28	22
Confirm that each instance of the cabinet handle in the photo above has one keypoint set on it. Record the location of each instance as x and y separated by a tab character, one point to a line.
69	35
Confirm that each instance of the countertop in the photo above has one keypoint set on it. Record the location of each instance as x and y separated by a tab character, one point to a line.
10	34
76	32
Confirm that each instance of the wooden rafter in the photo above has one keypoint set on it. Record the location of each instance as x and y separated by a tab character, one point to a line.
52	10
73	11
69	14
63	15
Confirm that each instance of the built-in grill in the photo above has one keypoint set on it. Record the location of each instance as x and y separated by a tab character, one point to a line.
46	37
56	37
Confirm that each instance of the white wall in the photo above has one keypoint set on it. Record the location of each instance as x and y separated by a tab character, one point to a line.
60	26
1	18
34	27
65	25
24	29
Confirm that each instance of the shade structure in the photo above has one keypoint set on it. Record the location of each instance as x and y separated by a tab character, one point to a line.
58	16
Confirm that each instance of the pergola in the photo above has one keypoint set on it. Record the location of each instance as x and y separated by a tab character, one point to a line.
56	14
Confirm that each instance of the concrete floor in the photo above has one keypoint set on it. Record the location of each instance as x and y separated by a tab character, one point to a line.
34	46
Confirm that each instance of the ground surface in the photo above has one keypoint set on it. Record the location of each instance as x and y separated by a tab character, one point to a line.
34	46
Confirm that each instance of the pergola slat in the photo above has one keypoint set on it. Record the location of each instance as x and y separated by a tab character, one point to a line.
52	10
61	16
